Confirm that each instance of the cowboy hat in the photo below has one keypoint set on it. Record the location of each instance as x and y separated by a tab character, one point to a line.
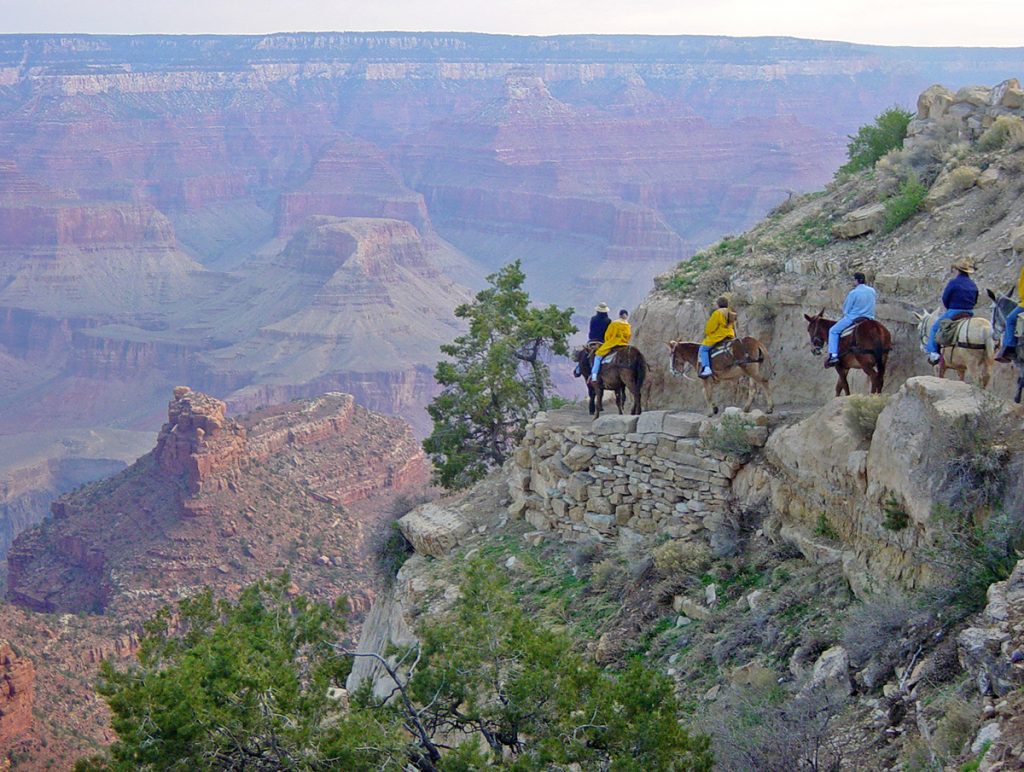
601	308
965	265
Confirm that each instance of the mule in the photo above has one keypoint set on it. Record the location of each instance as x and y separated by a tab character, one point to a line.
972	351
626	371
584	358
744	358
1002	305
866	347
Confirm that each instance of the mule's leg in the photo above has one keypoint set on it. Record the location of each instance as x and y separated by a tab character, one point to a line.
636	389
842	384
598	398
709	397
620	398
590	395
986	372
751	390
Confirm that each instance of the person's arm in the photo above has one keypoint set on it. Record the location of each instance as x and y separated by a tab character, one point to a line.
848	304
713	325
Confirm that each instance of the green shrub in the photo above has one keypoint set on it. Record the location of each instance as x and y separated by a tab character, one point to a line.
731	437
905	204
861	411
1007	131
825	529
873	141
681	557
896	517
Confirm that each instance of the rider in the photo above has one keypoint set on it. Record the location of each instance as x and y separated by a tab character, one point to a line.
860	302
617	334
1010	333
959	297
719	327
599	322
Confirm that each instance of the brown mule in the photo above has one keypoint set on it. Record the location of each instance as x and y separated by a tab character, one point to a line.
745	359
866	348
627	371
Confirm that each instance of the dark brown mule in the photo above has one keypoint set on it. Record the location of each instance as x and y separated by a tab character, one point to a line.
745	359
627	371
866	348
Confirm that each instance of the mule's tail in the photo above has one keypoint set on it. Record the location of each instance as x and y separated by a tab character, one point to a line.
640	370
881	355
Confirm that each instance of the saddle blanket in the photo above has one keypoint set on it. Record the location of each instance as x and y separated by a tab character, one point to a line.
722	347
849	330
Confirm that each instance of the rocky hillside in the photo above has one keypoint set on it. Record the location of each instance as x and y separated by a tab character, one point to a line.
799	259
837	585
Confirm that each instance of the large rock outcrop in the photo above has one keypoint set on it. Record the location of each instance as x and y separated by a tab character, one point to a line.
221	501
831	488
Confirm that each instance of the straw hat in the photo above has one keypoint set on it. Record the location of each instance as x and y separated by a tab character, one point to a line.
601	308
964	264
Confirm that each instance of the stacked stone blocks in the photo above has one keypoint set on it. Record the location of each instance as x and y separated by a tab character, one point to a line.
646	474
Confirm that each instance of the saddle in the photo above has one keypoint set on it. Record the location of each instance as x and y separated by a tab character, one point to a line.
609	358
849	330
952	332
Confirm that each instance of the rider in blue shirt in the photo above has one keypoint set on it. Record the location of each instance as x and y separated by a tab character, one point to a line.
959	297
860	302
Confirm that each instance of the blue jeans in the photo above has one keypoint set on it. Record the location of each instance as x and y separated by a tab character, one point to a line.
833	334
704	355
1010	333
930	346
596	367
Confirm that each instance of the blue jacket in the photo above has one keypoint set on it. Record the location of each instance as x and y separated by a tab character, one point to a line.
860	302
961	292
598	324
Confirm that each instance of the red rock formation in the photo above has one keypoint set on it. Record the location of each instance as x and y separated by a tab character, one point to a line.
17	679
220	502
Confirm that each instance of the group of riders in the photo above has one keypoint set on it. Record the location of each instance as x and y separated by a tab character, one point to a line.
959	299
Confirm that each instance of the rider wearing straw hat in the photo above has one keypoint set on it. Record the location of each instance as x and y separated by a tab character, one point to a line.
959	297
599	322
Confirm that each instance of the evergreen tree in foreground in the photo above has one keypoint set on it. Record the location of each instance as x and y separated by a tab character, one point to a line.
496	379
250	684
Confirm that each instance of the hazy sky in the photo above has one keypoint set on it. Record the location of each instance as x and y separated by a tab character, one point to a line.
896	22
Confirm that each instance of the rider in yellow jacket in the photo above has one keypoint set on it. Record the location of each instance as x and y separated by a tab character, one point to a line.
718	328
617	334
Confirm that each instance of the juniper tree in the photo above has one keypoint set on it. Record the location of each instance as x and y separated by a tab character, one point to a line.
495	379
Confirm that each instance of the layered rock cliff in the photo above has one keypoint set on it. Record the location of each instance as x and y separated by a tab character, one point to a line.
17	680
219	502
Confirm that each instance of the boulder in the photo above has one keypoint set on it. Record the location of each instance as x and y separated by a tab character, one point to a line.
683	605
933	102
988	178
683	425
614	424
433	530
949	184
832	673
651	421
909	450
1017	239
578	457
860	221
976	96
1007	94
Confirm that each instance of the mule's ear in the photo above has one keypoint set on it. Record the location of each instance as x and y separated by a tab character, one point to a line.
808	318
920	316
671	345
990	293
821	313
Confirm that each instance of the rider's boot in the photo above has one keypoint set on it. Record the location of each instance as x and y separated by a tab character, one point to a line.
832	361
934	357
705	372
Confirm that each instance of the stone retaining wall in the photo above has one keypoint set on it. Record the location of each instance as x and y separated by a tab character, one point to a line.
623	475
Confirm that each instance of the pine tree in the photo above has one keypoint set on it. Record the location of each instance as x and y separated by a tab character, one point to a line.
497	378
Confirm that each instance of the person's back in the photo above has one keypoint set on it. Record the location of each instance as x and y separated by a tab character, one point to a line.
617	334
860	302
719	327
959	297
599	322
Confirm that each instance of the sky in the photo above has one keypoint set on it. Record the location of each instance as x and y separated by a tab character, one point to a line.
886	22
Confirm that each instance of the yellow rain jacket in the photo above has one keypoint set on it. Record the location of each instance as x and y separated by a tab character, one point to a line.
617	334
1020	289
718	328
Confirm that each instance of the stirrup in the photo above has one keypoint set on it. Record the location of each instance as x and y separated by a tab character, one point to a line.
933	358
705	373
832	361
